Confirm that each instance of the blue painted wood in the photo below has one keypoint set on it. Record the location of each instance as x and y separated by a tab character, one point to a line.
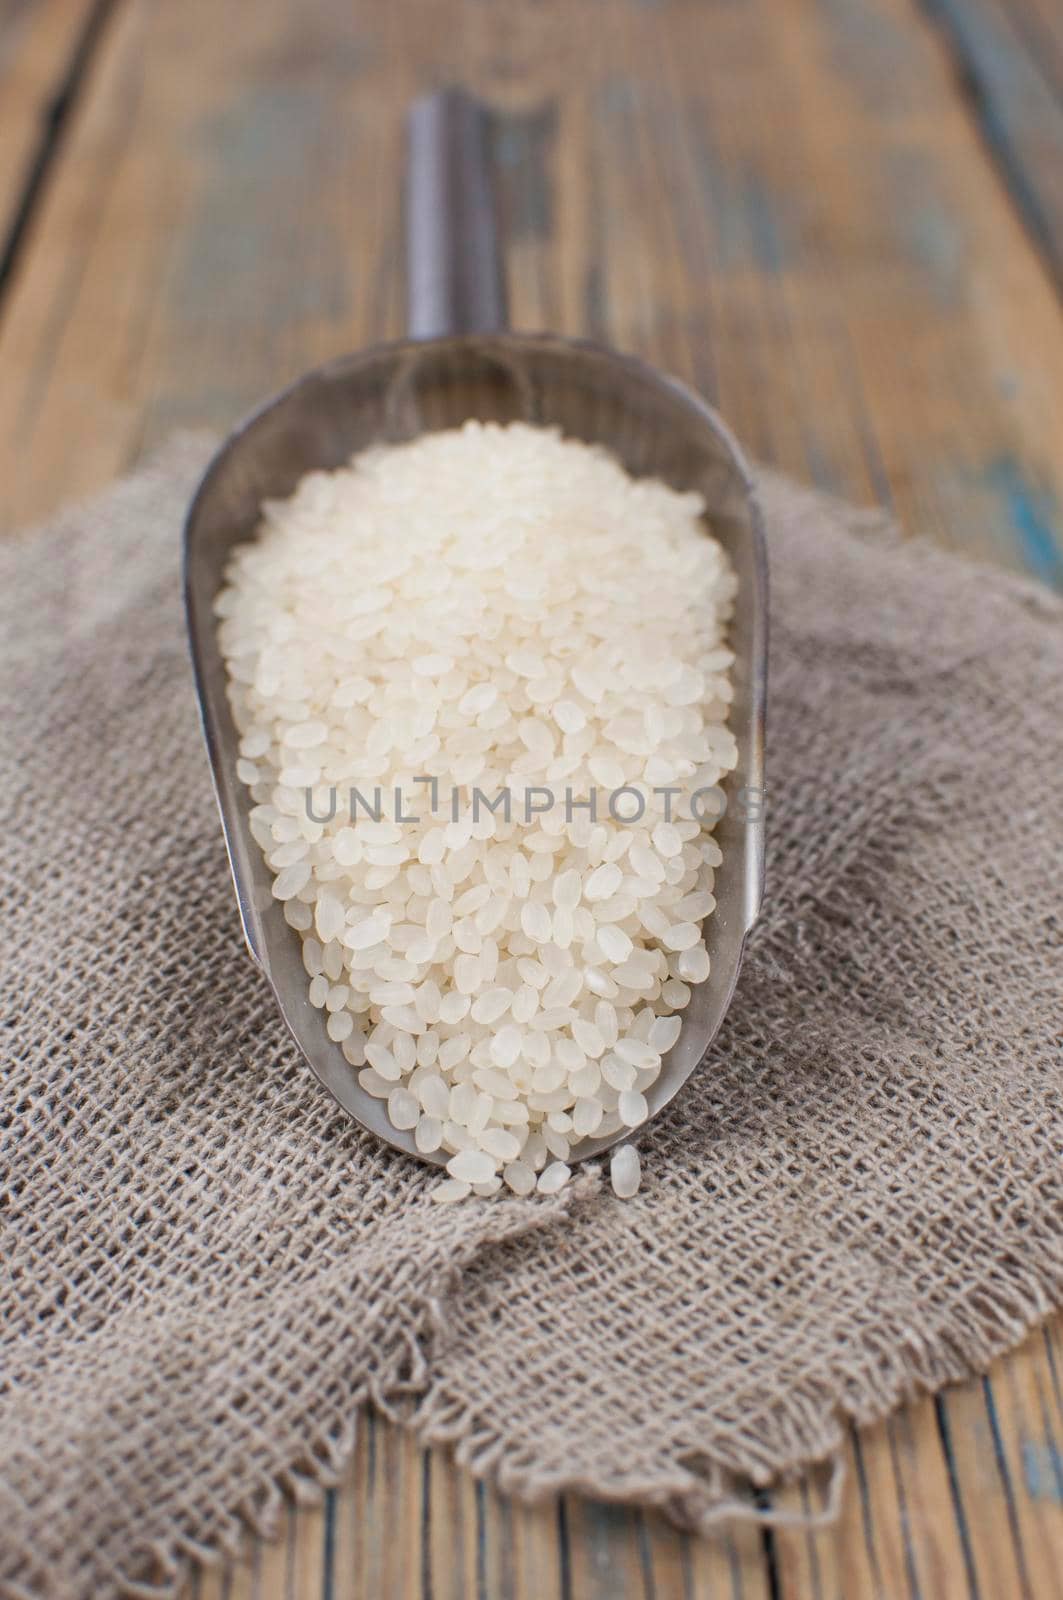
1019	106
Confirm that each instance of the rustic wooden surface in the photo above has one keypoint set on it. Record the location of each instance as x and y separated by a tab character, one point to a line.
842	220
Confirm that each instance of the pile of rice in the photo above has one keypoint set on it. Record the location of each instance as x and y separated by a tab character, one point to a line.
490	607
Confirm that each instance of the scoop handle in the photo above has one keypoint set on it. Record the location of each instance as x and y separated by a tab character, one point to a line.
454	277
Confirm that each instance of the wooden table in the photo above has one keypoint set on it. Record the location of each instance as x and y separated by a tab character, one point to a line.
843	221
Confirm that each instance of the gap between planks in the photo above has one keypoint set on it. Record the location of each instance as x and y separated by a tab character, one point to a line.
921	1521
44	151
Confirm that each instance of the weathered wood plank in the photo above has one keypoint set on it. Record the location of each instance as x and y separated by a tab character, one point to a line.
1021	1541
181	187
1011	55
1025	1419
787	203
39	40
863	1551
1040	23
934	1536
952	1499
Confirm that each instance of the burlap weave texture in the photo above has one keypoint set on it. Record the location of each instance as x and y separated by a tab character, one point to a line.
206	1269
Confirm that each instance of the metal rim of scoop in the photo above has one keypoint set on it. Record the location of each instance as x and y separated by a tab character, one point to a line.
460	291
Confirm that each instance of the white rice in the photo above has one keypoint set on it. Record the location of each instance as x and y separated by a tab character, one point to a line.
625	1171
488	607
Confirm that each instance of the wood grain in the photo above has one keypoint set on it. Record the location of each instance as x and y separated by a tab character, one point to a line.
792	203
1010	53
923	1520
787	202
38	42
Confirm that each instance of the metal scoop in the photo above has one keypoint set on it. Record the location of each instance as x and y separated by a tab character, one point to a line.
459	362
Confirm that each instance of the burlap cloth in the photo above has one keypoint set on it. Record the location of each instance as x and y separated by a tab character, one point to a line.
207	1270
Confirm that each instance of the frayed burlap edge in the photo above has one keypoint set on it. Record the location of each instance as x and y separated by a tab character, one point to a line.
320	1466
701	1501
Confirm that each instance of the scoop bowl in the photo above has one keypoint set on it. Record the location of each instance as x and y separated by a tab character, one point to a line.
652	424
